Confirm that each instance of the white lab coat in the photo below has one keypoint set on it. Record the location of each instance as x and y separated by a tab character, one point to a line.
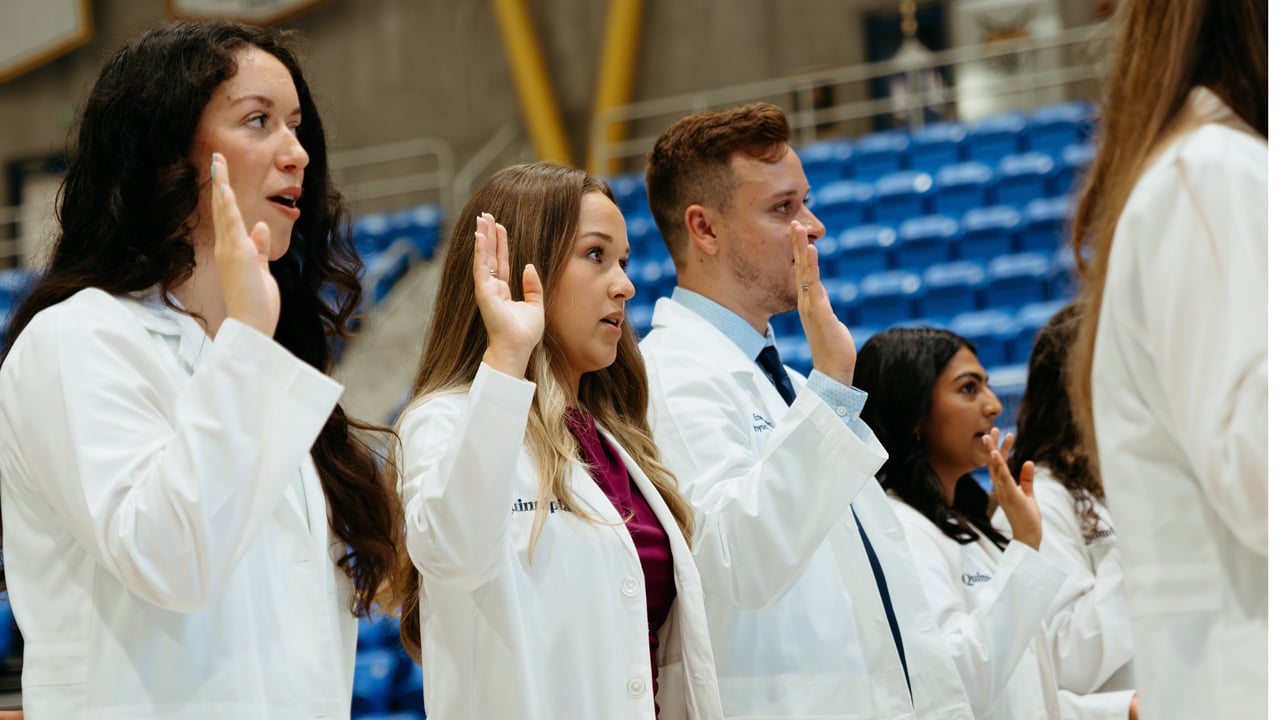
797	623
1091	638
1180	409
159	560
566	636
991	605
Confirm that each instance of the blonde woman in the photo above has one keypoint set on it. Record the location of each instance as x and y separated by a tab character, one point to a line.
551	576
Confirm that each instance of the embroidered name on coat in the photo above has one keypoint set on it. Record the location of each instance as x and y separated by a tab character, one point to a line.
759	423
522	505
972	579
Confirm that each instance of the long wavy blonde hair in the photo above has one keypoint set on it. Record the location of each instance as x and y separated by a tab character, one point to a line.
1164	50
540	205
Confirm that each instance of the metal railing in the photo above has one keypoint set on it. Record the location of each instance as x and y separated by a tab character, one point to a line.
795	93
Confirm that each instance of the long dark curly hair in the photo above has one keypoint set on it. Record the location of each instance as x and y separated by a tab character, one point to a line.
1047	432
898	368
125	214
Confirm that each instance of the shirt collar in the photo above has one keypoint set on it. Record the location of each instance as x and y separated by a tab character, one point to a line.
734	326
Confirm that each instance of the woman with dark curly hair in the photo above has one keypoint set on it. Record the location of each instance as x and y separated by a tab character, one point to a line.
192	524
930	406
1091	638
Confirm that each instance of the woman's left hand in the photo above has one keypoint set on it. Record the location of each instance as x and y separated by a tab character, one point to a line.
1017	499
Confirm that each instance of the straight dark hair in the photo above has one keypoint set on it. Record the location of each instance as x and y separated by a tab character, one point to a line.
898	368
124	213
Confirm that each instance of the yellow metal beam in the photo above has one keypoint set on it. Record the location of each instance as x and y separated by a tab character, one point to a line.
533	85
616	73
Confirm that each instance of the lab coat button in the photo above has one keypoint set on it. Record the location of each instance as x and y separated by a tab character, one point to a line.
635	687
630	587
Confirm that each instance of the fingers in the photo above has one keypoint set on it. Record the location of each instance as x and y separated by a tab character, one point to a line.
504	262
805	256
532	285
261	237
1027	479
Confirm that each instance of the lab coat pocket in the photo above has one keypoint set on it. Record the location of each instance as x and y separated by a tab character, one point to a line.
54	664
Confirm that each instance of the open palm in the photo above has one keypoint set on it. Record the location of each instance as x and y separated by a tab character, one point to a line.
514	327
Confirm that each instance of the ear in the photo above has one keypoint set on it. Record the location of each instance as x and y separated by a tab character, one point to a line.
702	224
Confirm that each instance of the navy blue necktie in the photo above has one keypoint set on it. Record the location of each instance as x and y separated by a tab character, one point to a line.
772	365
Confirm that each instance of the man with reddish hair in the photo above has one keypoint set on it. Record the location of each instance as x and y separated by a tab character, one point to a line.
814	602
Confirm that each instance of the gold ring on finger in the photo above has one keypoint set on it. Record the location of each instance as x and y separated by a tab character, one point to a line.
493	273
804	287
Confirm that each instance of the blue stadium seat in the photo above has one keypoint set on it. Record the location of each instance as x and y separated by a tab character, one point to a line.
1023	178
952	288
653	279
787	323
887	297
794	351
1046	224
990	331
994	137
14	285
372	233
826	161
961	187
1017	279
379	631
6	626
938	144
421	224
900	196
842	204
383	270
1053	127
1029	319
828	256
644	238
640	317
927	240
879	154
408	688
844	296
1008	382
373	681
865	249
1063	275
988	232
861	334
1076	161
628	189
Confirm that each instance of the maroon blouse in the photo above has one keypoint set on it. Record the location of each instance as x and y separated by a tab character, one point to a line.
650	539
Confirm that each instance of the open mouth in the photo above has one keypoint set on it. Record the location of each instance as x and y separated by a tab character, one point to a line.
613	322
289	202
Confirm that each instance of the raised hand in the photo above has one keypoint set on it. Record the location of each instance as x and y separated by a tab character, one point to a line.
514	328
1017	499
830	342
251	294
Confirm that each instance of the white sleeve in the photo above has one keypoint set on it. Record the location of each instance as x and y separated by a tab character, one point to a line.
1202	227
1095	706
1091	635
988	641
759	517
166	497
457	477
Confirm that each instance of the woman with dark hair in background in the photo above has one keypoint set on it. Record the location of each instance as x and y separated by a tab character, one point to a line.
1091	638
1169	374
549	574
931	407
191	524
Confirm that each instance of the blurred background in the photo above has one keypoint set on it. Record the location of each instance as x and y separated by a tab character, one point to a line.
943	141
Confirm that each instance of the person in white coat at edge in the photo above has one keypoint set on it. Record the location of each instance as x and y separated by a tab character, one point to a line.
929	403
550	576
814	611
1091	638
1169	374
190	525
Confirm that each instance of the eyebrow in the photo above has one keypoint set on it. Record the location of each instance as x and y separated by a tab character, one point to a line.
596	233
970	374
263	100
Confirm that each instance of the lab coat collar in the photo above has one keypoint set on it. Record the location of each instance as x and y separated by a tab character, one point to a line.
1204	106
670	314
163	319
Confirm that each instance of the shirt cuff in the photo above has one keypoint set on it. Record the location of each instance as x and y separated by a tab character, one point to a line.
844	400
